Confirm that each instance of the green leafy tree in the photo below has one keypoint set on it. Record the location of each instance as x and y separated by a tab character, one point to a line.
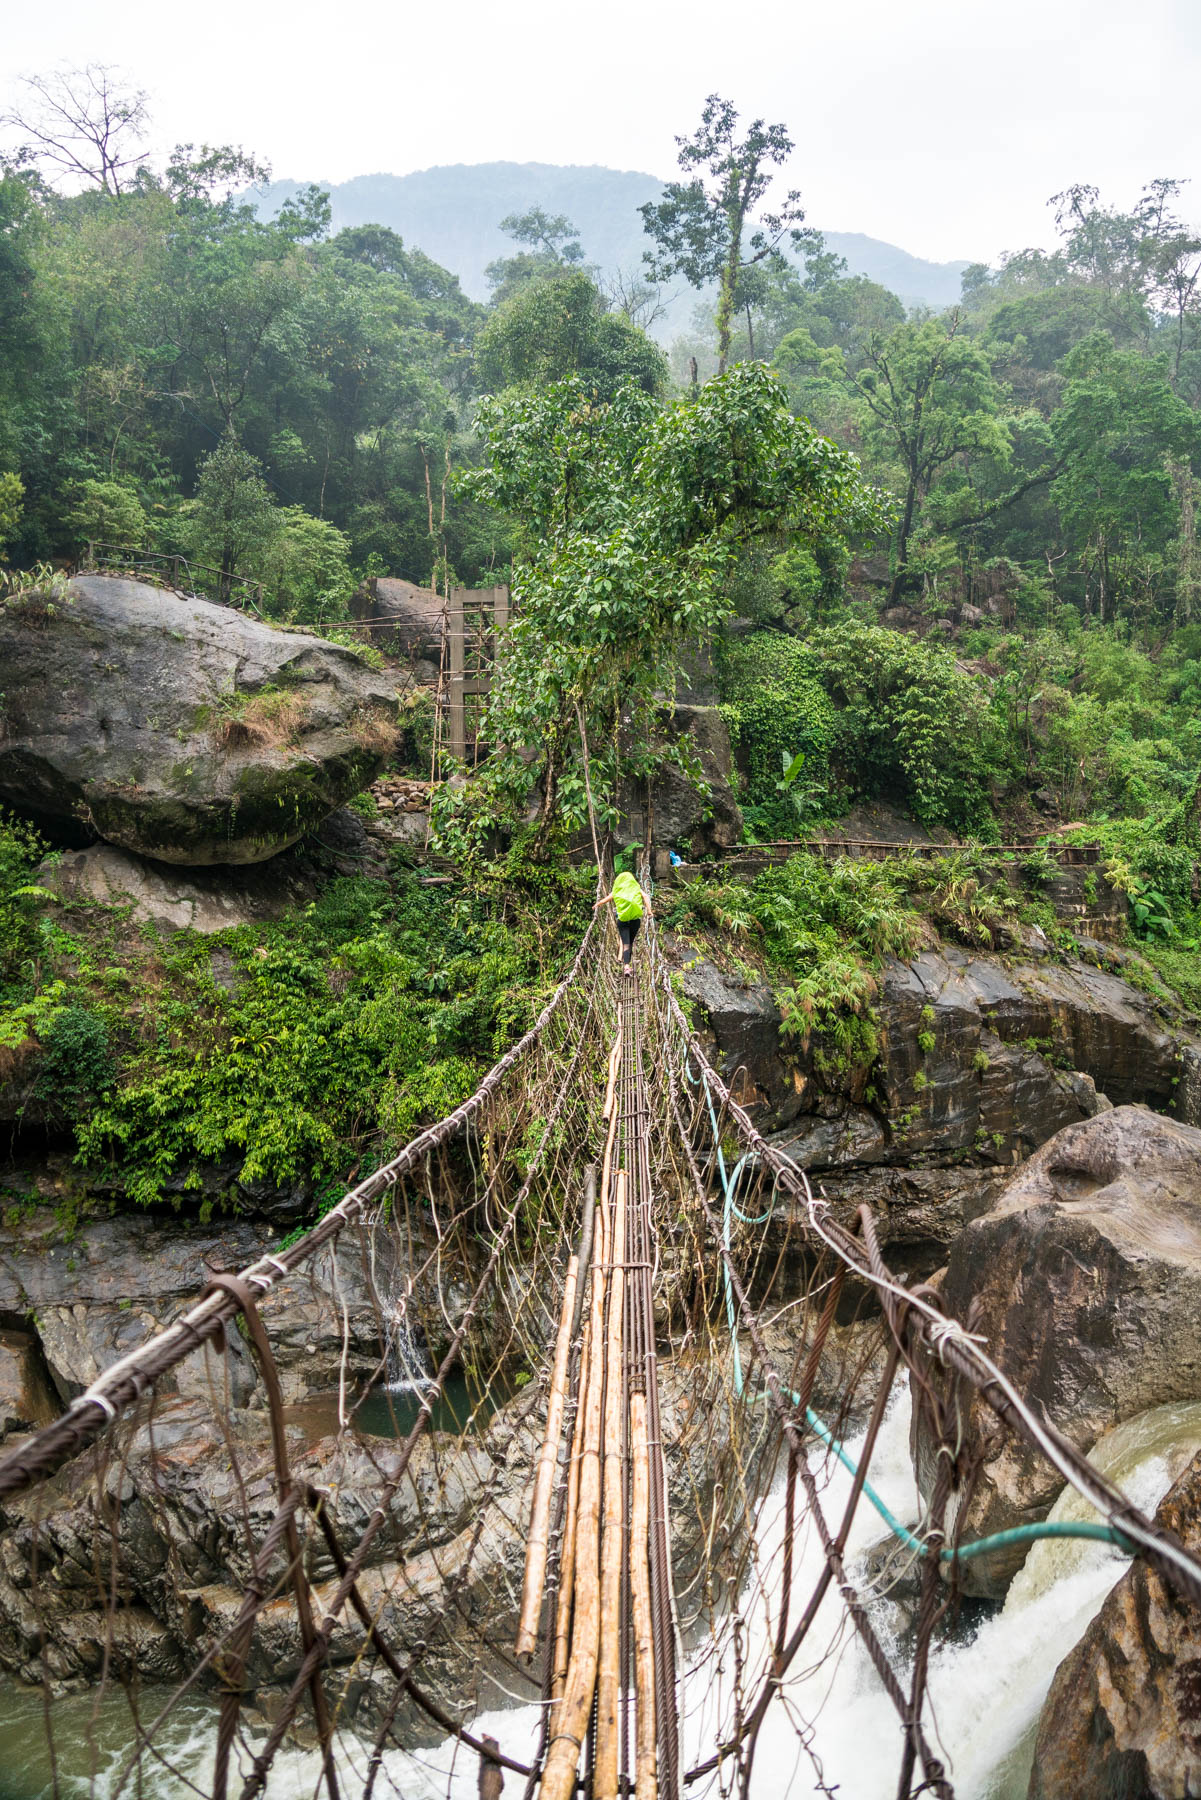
108	512
711	228
305	568
12	497
550	243
930	396
556	328
910	726
631	518
1118	423
232	519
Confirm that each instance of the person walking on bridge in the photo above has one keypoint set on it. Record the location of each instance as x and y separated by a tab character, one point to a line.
629	903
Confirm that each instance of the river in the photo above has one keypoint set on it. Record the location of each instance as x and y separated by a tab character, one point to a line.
986	1686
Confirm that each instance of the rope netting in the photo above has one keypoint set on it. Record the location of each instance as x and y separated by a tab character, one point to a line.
543	1457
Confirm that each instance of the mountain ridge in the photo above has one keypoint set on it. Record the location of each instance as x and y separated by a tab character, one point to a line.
452	211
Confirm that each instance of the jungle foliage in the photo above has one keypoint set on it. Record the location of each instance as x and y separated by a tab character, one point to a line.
284	1054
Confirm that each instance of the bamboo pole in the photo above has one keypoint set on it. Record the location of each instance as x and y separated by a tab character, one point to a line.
611	1084
538	1544
646	1774
608	1687
570	1714
562	1650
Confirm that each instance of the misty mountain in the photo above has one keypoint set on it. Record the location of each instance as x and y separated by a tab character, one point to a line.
453	213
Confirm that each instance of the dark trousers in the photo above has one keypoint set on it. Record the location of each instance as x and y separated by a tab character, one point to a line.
627	931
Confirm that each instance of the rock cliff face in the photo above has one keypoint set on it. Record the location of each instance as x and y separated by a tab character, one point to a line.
980	1058
1123	1716
181	730
1085	1280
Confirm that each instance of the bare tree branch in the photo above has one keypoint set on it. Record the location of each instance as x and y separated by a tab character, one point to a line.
86	124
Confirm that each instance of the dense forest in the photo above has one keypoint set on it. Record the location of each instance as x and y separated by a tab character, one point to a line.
991	618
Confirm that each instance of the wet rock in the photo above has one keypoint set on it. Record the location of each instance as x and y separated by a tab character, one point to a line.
181	730
850	1135
975	1053
1123	1716
183	1508
743	1026
1084	1277
26	1397
977	1058
918	1212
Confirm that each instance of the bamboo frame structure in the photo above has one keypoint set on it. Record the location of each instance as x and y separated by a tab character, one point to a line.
571	1712
646	1785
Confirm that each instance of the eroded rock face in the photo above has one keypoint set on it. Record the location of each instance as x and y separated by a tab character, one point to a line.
181	1495
181	730
163	895
1085	1280
977	1058
175	1505
1123	1716
116	1281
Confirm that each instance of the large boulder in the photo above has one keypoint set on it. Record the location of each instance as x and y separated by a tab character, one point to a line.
181	730
170	897
1123	1716
680	815
982	1054
415	614
1085	1280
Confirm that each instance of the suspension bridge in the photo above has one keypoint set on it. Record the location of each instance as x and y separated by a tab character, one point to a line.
592	1215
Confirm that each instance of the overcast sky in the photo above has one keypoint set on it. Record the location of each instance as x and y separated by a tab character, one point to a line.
940	125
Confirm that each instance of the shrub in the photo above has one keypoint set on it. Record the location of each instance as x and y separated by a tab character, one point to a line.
76	1063
21	849
777	708
305	569
345	1027
909	725
108	512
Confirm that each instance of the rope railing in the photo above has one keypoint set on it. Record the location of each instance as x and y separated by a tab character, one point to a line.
124	1382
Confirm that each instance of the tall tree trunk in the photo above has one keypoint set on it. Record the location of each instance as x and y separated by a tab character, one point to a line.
750	331
429	508
548	811
903	535
727	286
1188	552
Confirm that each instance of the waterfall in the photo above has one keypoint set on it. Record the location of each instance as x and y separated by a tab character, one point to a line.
986	1693
408	1367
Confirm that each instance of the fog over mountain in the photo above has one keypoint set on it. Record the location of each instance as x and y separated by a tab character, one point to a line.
453	213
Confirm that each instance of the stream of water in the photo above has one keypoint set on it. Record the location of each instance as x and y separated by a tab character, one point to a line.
986	1687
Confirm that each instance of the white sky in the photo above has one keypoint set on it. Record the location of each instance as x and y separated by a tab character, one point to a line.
940	125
